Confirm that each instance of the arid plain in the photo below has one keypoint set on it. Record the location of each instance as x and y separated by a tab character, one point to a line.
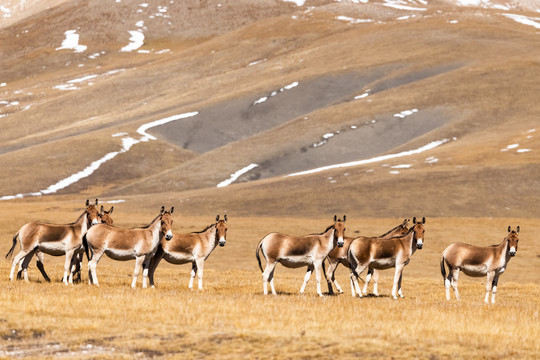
430	108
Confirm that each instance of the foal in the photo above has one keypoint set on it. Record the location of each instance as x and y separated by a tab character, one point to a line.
382	254
298	251
477	261
193	247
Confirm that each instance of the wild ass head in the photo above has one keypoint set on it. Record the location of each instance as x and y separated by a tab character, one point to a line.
105	215
92	213
221	230
339	230
512	240
418	228
166	223
403	227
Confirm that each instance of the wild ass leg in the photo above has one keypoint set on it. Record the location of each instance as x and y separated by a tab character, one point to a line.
16	261
269	270
306	278
146	266
271	279
153	265
24	265
494	288
400	293
368	279
39	264
454	282
200	266
375	282
318	275
331	277
355	287
92	264
397	275
193	273
489	284
138	265
67	267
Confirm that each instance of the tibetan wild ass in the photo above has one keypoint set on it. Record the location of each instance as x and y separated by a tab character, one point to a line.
127	244
339	255
52	239
105	218
298	251
477	261
192	248
383	254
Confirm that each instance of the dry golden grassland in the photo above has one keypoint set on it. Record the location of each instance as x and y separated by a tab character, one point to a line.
231	318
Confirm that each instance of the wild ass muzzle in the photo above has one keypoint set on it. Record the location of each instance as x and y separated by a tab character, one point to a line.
76	261
298	251
52	239
478	261
380	254
339	256
127	244
192	248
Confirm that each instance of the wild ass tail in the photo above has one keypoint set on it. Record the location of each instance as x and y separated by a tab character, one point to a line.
443	269
258	256
10	252
86	248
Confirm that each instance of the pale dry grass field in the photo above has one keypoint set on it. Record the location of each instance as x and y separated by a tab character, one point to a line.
231	318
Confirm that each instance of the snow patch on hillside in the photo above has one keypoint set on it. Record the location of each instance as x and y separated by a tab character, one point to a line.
534	22
274	93
136	41
71	42
127	143
426	147
236	175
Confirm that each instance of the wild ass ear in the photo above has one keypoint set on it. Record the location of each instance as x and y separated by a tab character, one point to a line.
509	228
162	209
225	217
424	220
101	210
172	209
517	230
112	208
87	202
96	202
217	218
414	220
344	218
335	218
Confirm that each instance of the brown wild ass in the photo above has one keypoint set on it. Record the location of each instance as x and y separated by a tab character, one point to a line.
127	244
478	261
298	251
192	248
339	255
54	240
383	254
105	218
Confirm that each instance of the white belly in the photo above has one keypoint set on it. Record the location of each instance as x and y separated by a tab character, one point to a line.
54	248
296	261
120	254
475	270
382	264
178	258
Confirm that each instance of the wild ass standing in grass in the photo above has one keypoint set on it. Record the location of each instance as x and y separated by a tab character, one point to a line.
127	244
478	261
54	240
76	261
298	251
194	247
339	255
383	254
